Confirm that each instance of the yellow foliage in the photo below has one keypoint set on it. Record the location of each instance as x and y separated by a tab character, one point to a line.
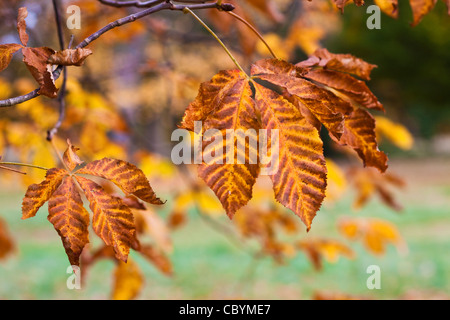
394	132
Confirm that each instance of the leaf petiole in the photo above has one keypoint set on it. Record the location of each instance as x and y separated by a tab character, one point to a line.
187	10
22	165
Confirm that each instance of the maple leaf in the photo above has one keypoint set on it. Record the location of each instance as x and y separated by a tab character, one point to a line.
313	93
112	219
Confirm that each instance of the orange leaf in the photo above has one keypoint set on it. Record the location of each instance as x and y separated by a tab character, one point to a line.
112	220
128	281
300	180
232	179
6	53
38	194
125	175
70	219
209	96
323	104
359	134
6	242
70	157
420	8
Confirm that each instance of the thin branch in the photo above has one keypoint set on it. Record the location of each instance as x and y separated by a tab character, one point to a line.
120	22
62	93
22	165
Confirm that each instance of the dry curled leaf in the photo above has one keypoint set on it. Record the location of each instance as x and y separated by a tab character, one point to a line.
36	62
319	249
70	57
22	25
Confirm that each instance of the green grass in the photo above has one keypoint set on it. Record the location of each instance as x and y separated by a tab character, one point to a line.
208	266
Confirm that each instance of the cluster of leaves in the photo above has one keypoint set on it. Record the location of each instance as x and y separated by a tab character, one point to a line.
112	218
39	60
318	91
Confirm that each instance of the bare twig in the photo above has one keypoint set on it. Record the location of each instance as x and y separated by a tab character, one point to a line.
62	93
167	5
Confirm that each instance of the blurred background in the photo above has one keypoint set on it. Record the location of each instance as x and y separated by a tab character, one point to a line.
130	95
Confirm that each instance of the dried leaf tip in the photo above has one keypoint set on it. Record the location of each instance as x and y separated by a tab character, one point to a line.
71	159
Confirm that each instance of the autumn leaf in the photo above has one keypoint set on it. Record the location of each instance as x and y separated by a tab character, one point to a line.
323	104
319	249
70	219
112	219
339	62
70	57
128	281
38	194
70	157
125	175
395	132
390	7
22	25
359	134
6	53
36	62
368	182
6	243
375	234
420	8
232	101
158	258
300	181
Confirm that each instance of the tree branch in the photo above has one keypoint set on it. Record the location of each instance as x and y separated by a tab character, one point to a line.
62	93
167	5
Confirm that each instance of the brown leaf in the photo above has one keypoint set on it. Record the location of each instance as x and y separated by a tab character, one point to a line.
232	177
323	104
70	57
359	134
125	175
70	219
22	25
38	194
36	62
112	220
339	62
6	53
6	242
158	258
70	156
300	181
209	96
355	90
